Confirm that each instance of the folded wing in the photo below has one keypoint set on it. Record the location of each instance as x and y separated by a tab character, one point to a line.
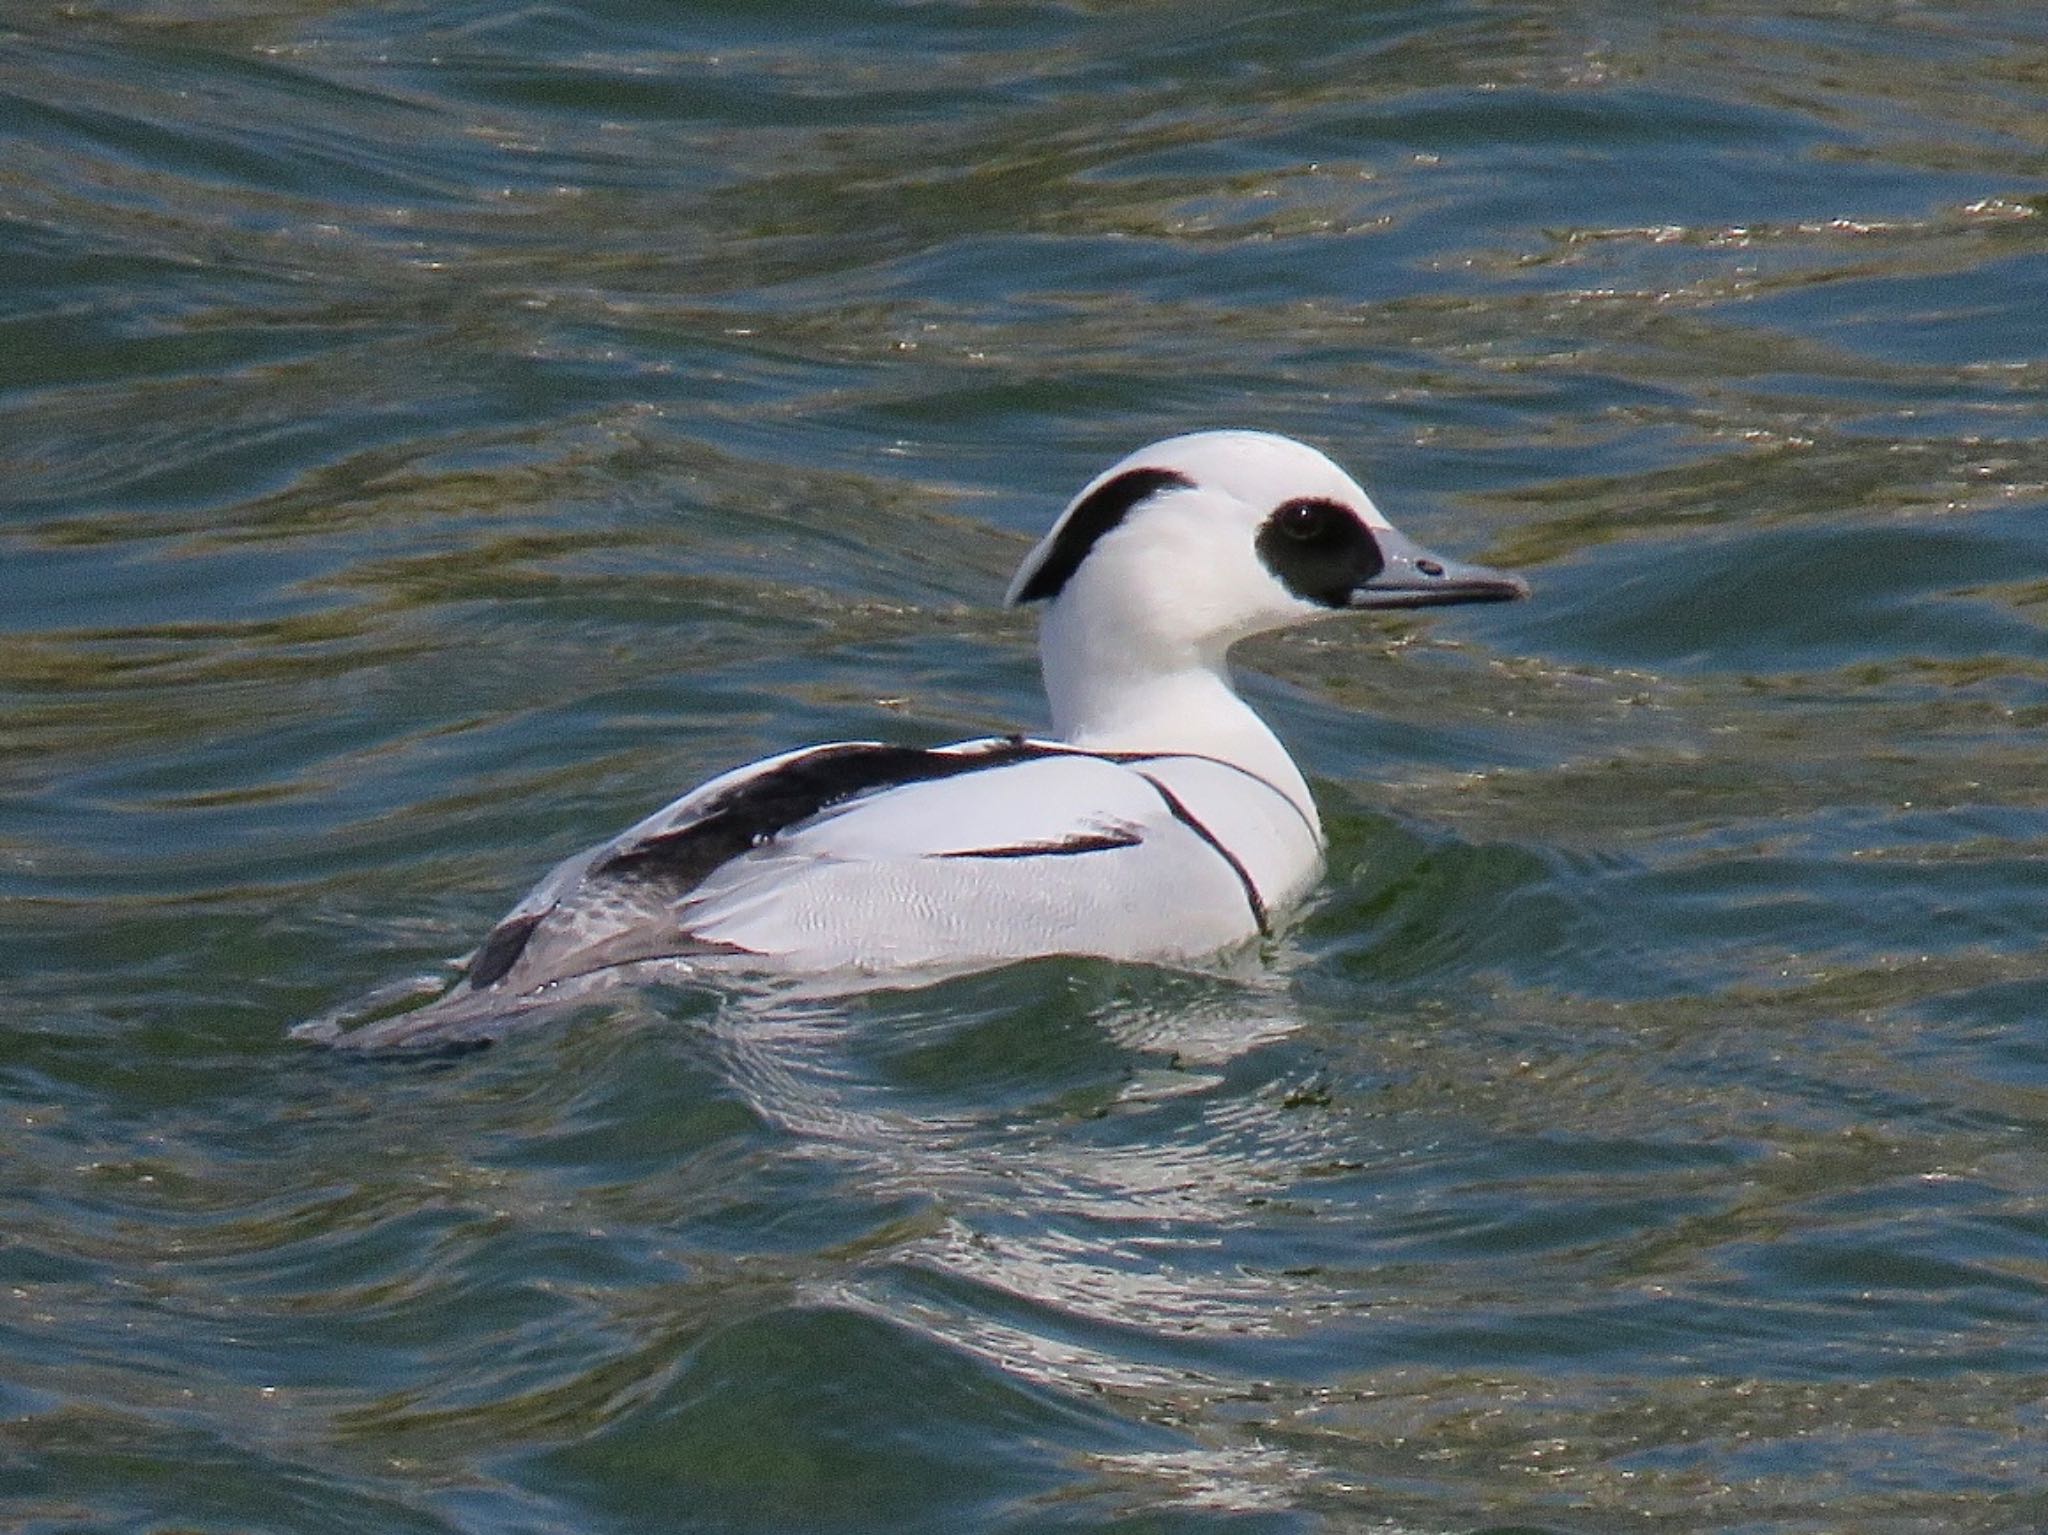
865	857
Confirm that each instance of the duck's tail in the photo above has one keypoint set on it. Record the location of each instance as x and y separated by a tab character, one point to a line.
434	1012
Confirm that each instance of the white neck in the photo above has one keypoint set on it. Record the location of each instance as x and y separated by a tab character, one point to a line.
1162	701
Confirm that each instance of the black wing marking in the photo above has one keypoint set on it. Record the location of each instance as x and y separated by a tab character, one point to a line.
747	815
750	813
500	951
1064	847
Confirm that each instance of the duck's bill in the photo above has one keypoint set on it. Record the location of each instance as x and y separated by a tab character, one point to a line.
1413	577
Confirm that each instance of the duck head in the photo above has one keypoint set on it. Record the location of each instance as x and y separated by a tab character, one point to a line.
1195	542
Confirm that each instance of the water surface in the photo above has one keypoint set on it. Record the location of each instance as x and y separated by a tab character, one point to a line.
434	434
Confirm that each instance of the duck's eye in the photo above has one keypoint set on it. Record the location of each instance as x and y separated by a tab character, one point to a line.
1319	549
1306	521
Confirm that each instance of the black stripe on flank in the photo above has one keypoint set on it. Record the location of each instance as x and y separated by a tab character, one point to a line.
750	813
1127	758
1066	847
1093	516
1186	817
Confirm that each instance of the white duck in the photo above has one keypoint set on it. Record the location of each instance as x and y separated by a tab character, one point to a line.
1162	822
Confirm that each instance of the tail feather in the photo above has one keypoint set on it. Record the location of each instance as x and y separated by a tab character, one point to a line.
424	1012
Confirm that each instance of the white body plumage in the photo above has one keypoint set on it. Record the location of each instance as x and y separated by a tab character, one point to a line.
1164	822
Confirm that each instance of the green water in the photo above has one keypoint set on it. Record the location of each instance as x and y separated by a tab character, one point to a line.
432	435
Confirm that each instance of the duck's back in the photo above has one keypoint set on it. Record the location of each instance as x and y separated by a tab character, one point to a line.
1047	851
866	859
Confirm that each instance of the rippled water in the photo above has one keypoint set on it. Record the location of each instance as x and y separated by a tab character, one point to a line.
435	433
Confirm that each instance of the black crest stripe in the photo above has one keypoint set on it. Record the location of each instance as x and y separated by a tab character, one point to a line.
1186	817
1093	516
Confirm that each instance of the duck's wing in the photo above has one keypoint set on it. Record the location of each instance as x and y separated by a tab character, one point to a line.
861	856
864	857
579	912
1047	851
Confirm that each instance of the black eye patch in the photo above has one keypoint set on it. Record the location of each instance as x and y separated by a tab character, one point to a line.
1319	550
